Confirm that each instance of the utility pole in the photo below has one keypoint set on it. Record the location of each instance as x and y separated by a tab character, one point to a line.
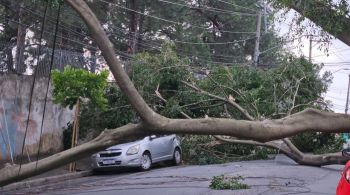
310	49
265	16
257	40
347	98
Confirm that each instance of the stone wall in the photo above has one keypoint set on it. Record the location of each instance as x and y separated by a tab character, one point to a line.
14	105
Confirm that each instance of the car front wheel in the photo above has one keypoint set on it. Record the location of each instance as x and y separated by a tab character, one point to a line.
146	162
177	156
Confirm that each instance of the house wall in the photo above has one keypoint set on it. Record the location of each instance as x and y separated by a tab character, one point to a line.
14	105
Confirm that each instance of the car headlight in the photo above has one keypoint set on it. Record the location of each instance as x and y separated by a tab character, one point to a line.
133	150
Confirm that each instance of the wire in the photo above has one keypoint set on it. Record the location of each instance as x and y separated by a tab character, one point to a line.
34	79
239	6
50	33
65	26
47	90
62	26
335	51
194	57
215	43
51	65
183	42
212	9
170	21
337	99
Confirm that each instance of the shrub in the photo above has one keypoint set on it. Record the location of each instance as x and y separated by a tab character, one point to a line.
317	142
227	183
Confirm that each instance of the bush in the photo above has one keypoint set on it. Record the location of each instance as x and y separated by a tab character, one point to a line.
227	183
317	142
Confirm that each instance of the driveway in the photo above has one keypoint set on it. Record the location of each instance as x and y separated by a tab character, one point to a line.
265	177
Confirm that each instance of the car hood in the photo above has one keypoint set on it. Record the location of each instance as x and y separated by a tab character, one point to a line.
124	146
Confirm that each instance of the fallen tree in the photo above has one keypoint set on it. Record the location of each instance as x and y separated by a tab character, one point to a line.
284	145
152	123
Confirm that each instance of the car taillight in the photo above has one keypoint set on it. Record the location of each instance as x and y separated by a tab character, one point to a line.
347	174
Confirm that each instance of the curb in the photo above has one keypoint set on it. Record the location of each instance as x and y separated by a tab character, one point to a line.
40	181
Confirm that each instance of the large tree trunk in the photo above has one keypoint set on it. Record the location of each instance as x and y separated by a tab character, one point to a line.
21	35
134	18
107	138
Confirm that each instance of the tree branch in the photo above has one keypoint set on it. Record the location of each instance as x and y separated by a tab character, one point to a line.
308	120
227	100
302	159
314	9
295	95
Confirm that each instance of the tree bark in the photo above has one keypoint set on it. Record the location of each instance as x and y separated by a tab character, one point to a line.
21	35
294	153
105	139
134	20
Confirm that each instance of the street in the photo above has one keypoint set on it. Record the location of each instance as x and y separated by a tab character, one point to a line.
265	177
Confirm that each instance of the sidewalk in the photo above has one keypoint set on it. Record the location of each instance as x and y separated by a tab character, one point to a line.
55	175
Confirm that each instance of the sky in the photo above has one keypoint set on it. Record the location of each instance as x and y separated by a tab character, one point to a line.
337	61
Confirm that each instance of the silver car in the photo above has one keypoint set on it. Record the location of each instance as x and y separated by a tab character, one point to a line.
142	153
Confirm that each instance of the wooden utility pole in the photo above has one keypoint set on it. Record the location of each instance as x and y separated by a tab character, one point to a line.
257	40
75	133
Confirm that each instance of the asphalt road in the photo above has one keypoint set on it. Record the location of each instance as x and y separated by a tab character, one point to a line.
265	177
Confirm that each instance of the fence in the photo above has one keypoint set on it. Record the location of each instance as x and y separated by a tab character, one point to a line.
30	62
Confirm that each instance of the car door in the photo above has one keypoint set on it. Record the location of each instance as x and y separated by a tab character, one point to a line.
167	141
156	145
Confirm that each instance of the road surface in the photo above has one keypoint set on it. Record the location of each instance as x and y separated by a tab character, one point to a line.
265	177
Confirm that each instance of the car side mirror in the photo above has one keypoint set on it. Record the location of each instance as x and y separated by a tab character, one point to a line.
152	137
346	152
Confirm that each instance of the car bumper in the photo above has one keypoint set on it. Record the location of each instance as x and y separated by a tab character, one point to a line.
118	161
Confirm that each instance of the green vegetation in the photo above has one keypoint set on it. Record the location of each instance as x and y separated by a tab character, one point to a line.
73	84
197	150
222	182
292	86
318	143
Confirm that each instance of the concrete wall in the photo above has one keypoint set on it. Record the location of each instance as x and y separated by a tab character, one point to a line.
14	102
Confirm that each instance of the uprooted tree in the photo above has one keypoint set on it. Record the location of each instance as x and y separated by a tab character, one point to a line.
252	131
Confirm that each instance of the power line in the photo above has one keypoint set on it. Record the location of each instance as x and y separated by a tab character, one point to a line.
62	26
177	41
337	98
194	57
65	26
50	33
212	9
336	51
170	21
239	6
186	42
